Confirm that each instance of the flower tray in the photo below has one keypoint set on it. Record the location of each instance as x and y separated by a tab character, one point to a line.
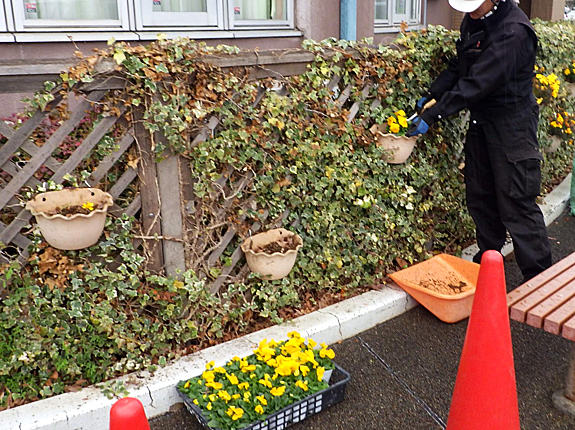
293	413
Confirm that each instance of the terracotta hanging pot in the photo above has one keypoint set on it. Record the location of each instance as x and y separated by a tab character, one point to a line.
272	254
397	148
555	144
64	222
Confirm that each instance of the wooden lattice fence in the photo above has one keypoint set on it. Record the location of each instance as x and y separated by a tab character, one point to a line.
159	193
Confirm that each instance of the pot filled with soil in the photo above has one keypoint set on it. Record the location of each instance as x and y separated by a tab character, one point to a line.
72	218
444	284
397	148
272	254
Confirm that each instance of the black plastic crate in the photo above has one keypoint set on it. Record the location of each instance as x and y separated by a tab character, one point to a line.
293	413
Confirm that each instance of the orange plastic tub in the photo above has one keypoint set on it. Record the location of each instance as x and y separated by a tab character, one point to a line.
422	281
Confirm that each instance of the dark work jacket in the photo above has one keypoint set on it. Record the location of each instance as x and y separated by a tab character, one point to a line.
493	70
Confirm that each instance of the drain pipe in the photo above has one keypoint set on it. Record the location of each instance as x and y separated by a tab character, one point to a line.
348	19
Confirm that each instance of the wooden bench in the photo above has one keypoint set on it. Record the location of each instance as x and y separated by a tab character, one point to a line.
548	302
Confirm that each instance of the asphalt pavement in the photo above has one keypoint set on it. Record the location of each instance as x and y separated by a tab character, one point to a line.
403	371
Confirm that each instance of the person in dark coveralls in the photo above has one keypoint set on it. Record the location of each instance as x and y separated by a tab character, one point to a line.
492	77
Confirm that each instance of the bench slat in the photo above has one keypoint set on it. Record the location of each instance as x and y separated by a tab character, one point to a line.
553	303
554	322
519	310
526	289
568	331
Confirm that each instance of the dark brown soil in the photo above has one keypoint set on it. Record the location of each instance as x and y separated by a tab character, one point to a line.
71	210
282	245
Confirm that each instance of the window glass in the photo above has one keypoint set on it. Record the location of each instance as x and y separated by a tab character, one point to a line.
71	9
400	7
260	9
180	6
414	15
381	9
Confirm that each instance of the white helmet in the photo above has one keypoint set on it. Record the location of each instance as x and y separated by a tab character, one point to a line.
466	5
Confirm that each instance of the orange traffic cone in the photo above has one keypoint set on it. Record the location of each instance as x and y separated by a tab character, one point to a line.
128	414
485	394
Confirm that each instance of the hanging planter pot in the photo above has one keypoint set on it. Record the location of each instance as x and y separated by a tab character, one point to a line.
397	148
555	143
272	254
72	218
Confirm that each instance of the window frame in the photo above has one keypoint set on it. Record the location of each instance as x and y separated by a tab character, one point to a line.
3	18
21	24
384	22
394	20
212	19
270	24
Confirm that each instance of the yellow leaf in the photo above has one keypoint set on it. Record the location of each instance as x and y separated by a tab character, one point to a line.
119	57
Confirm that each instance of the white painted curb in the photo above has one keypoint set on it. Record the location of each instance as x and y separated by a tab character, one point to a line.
89	409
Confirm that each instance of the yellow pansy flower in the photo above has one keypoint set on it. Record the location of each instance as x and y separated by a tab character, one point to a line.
88	205
224	395
235	413
402	121
391	120
259	409
209	406
243	385
302	385
278	391
210	365
400	113
320	371
232	378
214	385
187	384
394	128
262	400
266	381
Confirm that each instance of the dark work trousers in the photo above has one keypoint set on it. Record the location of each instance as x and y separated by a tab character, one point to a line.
503	179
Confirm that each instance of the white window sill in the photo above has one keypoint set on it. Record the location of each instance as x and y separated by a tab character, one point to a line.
6	37
97	36
397	29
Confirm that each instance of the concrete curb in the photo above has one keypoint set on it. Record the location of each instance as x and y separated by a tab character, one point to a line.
89	408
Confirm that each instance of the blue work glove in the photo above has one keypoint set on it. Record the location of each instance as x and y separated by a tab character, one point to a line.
421	102
418	126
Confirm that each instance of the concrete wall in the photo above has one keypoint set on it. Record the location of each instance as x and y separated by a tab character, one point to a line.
317	19
550	10
365	18
439	13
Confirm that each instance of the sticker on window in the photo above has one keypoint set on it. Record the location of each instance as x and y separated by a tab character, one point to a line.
31	8
237	10
157	2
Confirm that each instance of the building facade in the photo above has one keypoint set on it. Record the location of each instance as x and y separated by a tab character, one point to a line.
38	37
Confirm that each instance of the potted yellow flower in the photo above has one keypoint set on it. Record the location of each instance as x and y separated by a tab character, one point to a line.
560	129
72	218
279	384
569	75
391	137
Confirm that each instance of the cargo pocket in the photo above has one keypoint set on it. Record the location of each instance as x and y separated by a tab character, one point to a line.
525	173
